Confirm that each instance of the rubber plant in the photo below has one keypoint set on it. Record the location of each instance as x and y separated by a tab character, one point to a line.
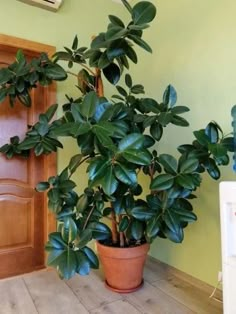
117	138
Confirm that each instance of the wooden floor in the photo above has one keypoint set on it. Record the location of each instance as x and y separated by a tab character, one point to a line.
43	292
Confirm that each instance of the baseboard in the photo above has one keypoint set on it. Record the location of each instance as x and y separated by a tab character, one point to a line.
188	278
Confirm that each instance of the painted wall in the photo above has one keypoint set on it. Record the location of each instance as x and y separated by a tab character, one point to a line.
194	49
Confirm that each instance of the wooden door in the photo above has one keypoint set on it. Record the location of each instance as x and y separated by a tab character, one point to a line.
24	220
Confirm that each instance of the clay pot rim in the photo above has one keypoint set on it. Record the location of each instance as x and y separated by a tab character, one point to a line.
123	248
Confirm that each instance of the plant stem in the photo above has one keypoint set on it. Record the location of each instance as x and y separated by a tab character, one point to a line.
114	230
88	217
122	238
99	83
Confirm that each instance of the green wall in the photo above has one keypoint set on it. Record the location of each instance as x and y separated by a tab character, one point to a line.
194	50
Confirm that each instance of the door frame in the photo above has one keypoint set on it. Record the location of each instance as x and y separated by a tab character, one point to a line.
32	48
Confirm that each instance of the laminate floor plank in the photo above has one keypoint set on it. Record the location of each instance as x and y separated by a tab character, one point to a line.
164	292
91	290
51	295
189	295
151	300
15	298
116	307
154	271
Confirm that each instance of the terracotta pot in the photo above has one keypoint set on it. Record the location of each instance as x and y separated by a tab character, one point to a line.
123	267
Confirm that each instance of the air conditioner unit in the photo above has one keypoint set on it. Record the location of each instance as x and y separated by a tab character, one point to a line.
52	5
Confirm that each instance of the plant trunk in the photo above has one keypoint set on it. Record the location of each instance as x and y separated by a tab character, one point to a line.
114	230
122	238
99	83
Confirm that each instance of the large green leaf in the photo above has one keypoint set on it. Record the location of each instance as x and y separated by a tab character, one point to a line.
69	230
51	111
143	12
88	106
42	186
97	168
186	181
116	21
60	256
139	41
189	165
137	229
75	162
212	169
184	214
138	156
202	138
169	163
109	182
112	73
100	231
176	237
116	49
218	150
170	96
142	213
212	132
153	227
125	174
82	203
162	182
102	133
83	264
92	258
131	141
29	142
115	32
229	144
171	220
55	72
65	129
124	223
156	131
5	75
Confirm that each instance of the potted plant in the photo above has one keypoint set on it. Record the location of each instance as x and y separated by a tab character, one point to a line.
117	139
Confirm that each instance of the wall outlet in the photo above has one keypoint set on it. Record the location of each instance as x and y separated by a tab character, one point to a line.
220	276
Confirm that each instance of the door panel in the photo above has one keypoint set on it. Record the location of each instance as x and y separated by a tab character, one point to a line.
23	213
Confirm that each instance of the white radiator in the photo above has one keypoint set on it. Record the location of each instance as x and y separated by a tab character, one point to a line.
228	242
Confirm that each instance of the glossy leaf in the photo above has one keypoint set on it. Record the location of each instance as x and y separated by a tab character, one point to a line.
162	182
137	229
100	231
137	156
143	12
109	182
170	96
125	174
88	106
42	186
69	230
169	163
212	132
83	264
116	21
92	257
112	73
156	131
75	162
142	213
124	223
189	165
131	141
